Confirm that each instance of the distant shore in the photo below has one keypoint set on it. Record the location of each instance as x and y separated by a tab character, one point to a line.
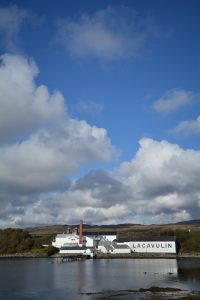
24	255
149	255
105	256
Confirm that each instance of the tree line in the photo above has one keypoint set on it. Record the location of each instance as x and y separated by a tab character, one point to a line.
20	241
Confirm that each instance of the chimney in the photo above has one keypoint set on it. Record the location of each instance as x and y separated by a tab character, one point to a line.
81	233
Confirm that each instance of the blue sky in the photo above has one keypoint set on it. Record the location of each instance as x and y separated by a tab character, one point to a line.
99	106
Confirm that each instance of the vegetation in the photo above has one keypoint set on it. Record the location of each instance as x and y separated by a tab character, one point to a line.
32	240
20	241
188	241
14	241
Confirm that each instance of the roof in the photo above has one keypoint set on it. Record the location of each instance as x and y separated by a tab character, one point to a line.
64	235
104	243
108	248
148	239
116	246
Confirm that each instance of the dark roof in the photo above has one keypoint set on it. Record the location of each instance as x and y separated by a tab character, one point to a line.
148	239
116	246
104	243
108	248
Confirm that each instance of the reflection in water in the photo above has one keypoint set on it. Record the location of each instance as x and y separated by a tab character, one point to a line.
189	270
103	275
48	279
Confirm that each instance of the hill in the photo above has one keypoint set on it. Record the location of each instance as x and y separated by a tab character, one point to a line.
136	229
190	222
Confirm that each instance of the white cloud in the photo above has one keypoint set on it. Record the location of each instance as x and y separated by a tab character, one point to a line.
160	184
11	20
188	127
24	106
164	179
173	100
89	107
41	146
108	34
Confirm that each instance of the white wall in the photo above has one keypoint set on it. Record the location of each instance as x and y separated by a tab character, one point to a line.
90	241
72	251
73	239
67	240
121	251
87	252
102	249
152	247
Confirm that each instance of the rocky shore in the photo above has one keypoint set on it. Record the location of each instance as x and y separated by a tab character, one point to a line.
24	255
152	293
149	255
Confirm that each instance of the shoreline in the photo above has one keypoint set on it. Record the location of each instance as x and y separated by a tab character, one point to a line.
105	256
151	293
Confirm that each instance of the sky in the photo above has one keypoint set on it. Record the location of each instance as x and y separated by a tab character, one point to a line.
99	112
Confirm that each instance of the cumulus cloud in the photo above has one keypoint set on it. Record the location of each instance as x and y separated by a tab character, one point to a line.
40	146
24	105
104	189
173	100
164	179
159	185
108	34
43	162
188	127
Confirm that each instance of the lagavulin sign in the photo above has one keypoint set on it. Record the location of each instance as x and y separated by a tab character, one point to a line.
153	246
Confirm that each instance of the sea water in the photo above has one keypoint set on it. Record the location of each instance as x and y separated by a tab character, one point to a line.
50	279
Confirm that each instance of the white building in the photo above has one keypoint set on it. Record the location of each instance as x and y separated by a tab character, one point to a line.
93	238
67	239
78	251
151	245
120	249
89	243
90	239
74	244
108	247
104	246
108	236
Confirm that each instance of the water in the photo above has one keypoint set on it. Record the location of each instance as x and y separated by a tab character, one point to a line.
29	279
